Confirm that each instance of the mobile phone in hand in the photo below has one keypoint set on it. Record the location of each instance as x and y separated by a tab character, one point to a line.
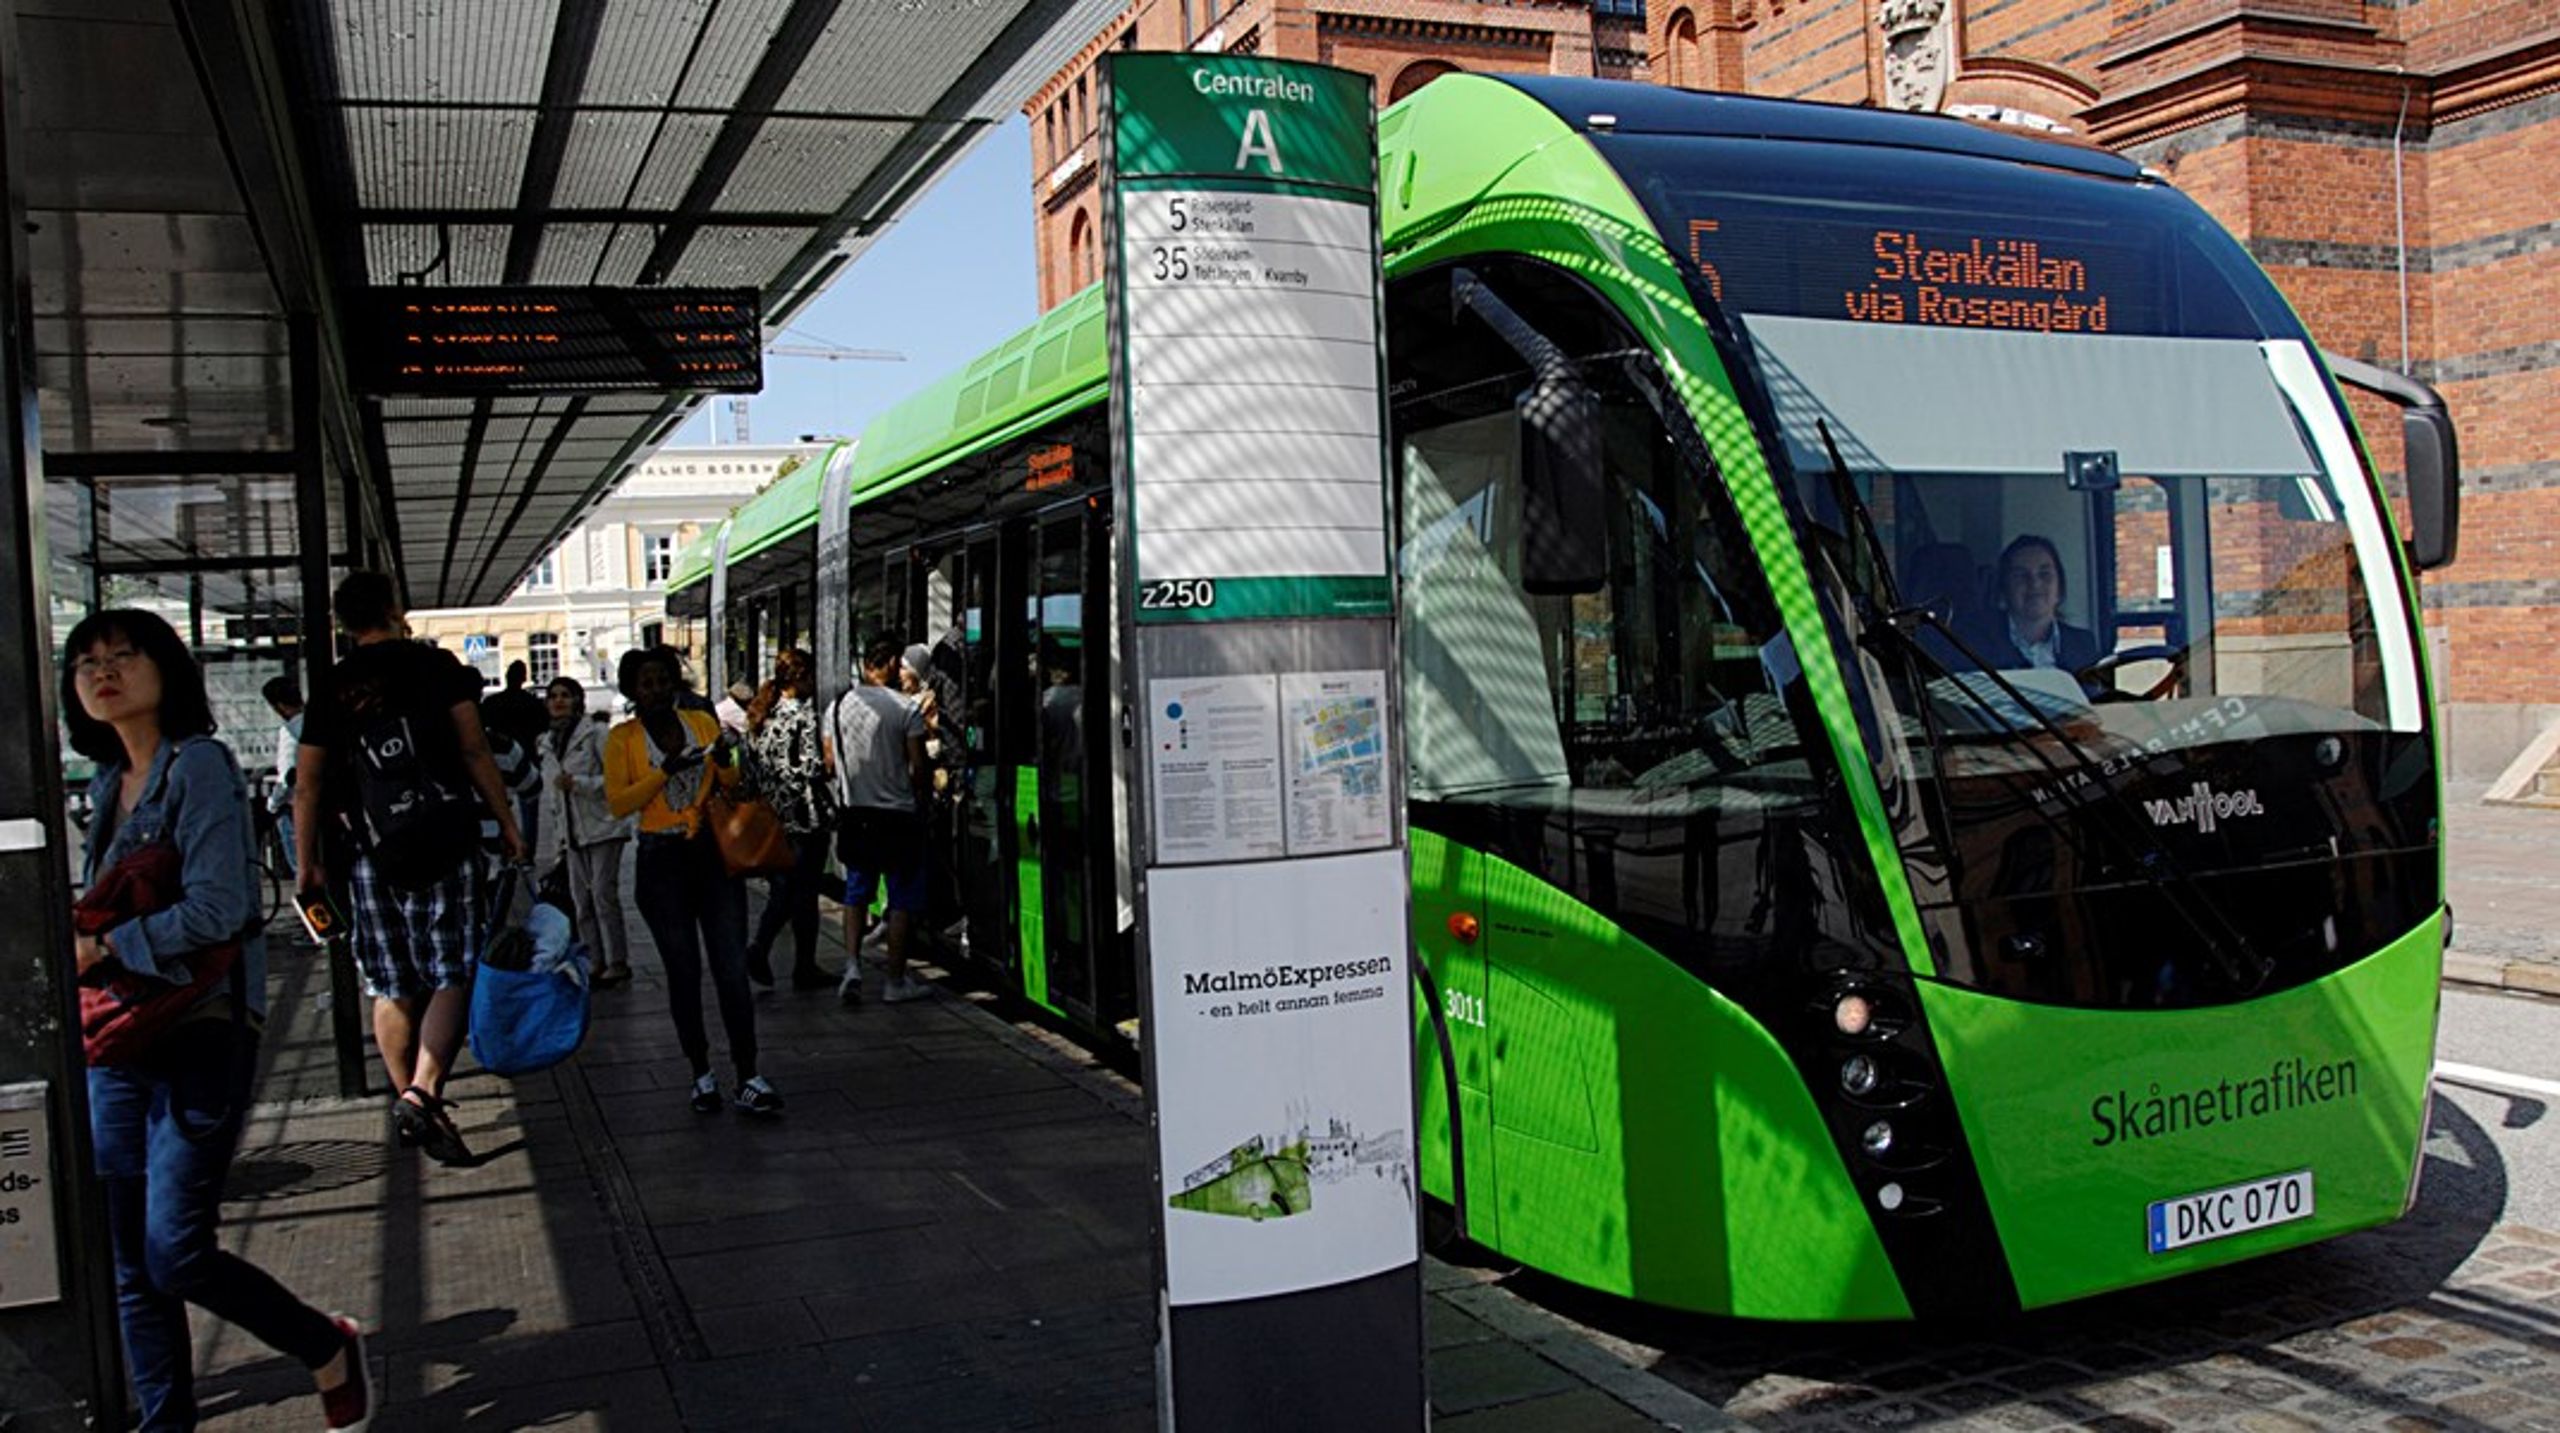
319	915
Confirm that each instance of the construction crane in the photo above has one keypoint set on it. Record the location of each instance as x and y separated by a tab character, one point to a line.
812	346
828	349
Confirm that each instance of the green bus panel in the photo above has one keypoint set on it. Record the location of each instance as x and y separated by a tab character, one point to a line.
1448	884
1647	1137
2070	1193
1031	924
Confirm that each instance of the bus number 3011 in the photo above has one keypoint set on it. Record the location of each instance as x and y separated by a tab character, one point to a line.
1187	594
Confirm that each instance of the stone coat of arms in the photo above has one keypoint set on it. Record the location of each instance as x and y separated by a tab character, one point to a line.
1919	51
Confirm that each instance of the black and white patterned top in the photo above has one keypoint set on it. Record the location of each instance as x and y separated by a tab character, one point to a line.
787	765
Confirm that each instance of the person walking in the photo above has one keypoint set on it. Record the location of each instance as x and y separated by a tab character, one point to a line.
166	1125
516	711
519	766
579	831
787	768
875	748
284	698
661	766
395	757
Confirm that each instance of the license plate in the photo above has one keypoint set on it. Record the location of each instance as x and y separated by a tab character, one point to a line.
2232	1209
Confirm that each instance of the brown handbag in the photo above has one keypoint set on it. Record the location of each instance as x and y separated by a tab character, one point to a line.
752	841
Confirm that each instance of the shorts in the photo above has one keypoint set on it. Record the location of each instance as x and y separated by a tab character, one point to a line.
906	888
876	846
410	944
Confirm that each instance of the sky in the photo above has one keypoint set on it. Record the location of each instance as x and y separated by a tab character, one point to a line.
954	278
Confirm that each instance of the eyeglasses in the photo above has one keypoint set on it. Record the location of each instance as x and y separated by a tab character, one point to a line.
98	664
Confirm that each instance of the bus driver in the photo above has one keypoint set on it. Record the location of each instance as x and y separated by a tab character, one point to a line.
2026	627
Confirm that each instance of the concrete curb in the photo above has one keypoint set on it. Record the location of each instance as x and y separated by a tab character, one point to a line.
1569	1347
2525	977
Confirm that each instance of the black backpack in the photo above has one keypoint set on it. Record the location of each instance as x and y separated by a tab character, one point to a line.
416	823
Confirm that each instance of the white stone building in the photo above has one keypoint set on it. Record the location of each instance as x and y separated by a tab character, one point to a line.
603	590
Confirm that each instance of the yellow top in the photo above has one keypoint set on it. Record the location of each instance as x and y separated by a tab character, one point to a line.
633	782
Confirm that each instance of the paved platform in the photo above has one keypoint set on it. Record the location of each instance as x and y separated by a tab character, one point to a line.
947	1229
2502	874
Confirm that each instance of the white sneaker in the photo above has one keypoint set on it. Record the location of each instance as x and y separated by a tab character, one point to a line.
849	989
898	992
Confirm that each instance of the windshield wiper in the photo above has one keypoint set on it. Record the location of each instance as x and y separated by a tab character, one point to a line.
2230	950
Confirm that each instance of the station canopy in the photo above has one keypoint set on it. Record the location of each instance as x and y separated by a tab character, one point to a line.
198	170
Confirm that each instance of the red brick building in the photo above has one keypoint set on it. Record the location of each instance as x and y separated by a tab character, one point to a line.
2395	165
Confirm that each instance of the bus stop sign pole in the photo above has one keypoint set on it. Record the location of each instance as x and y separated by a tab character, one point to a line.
1258	688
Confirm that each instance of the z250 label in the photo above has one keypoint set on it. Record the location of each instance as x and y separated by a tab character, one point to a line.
1187	594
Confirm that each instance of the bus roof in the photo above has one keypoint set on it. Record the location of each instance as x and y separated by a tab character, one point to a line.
694	563
1061	362
1057	365
787	506
1625	108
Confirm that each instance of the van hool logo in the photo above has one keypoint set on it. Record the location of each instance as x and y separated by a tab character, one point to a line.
2204	808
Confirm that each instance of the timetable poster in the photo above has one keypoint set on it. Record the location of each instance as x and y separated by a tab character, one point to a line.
1248	283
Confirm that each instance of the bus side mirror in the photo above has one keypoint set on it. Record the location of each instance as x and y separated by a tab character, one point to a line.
1564	546
2430	459
2435	486
1564	514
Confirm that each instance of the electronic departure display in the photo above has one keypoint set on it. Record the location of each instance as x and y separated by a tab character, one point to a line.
1884	271
428	342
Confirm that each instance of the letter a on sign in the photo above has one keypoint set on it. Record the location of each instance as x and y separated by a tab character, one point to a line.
1258	141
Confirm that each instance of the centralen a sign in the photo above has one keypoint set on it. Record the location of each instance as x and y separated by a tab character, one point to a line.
1258	665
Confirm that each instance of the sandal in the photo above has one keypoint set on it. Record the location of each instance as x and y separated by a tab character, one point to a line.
421	1120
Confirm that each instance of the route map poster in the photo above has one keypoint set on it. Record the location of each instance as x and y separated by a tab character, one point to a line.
1335	725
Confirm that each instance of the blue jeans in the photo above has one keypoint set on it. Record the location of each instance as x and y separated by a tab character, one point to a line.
697	913
165	1135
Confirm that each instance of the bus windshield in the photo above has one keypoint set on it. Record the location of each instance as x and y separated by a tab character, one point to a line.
2126	603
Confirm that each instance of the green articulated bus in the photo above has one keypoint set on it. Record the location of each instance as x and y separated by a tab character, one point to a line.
1922	783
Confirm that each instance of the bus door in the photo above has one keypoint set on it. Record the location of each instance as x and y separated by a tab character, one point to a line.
1057	848
988	580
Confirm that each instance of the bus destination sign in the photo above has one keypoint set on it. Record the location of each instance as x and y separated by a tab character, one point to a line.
1970	278
430	342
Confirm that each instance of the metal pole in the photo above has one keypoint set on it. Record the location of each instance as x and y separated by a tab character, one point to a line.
311	518
60	1369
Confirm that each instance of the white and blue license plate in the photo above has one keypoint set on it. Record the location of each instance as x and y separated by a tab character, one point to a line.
2232	1209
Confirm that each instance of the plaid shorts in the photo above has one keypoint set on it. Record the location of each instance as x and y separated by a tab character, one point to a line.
409	944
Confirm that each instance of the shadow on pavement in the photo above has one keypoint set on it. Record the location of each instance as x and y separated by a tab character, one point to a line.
2417	1320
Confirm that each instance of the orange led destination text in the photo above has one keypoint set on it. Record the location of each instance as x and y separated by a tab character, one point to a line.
1988	283
1051	467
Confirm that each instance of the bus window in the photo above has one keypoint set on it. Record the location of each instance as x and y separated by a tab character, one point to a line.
1479	711
1633	737
870	613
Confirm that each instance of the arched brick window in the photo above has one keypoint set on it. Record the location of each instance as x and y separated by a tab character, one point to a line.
1080	258
1688	67
1414	76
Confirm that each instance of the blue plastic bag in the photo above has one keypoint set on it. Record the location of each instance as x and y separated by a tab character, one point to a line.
528	1020
529	999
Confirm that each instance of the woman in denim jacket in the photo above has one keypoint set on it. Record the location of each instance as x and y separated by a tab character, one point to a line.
167	1124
